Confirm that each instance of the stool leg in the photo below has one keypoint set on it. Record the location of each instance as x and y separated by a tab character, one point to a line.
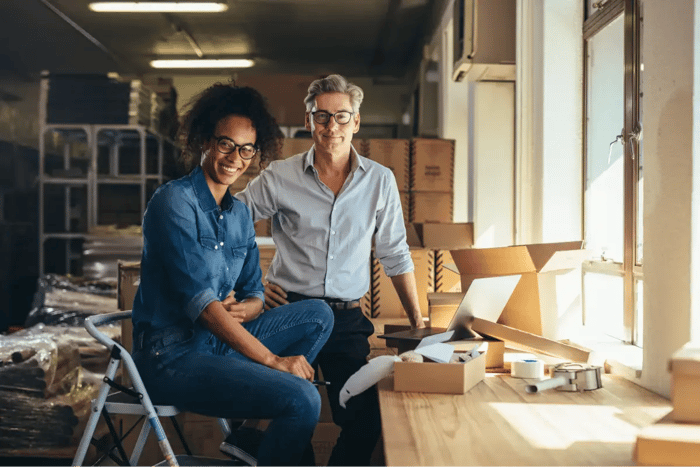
176	425
140	443
96	408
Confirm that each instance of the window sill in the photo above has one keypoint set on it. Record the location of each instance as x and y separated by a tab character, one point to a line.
616	357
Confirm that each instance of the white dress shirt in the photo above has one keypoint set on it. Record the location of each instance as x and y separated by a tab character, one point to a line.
323	241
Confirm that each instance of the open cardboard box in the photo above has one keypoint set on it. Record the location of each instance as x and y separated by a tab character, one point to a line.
440	235
537	303
442	378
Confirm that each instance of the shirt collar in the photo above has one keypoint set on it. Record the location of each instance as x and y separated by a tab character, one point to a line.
203	193
355	161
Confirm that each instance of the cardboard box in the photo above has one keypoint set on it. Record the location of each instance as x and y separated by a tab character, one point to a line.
443	378
323	441
535	306
262	228
385	300
440	235
668	443
430	206
391	153
432	164
447	278
405	204
684	366
267	251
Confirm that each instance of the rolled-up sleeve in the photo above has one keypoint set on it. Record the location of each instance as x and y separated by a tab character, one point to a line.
169	227
390	237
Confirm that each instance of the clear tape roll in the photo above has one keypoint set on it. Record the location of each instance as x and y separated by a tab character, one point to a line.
527	369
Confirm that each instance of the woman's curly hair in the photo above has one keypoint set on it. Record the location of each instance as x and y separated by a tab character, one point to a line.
215	103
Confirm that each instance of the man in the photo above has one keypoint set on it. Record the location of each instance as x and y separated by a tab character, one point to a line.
328	206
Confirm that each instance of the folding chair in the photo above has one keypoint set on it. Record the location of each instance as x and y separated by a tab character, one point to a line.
114	398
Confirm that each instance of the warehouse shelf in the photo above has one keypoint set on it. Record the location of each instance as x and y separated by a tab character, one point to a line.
91	175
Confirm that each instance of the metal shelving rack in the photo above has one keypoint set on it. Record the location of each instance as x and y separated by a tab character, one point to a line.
77	163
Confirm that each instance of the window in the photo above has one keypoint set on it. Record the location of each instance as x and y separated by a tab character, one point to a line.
612	283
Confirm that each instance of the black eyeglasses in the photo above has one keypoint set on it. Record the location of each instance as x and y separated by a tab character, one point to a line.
322	117
226	145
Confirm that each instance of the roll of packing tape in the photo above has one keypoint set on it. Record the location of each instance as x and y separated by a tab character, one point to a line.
530	368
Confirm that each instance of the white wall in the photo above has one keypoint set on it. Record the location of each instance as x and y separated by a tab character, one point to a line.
668	119
549	138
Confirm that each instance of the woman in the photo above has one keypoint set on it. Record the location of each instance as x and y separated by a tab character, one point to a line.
196	346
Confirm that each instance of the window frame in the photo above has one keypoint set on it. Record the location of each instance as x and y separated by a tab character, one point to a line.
630	269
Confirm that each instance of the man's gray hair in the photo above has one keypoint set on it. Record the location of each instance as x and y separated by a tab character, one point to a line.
334	83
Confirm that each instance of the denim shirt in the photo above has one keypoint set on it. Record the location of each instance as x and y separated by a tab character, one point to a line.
194	253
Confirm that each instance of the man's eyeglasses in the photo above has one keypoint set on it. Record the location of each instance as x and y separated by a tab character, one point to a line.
225	145
322	117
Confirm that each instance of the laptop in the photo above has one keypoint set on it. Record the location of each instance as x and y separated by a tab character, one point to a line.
486	298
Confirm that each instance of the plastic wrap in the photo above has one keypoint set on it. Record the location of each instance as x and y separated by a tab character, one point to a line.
60	300
45	392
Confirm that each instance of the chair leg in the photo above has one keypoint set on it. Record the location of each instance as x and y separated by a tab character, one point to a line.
180	435
97	407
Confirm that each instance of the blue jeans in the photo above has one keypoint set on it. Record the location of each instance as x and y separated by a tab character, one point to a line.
194	371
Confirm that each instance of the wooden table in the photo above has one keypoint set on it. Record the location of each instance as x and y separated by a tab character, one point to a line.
498	423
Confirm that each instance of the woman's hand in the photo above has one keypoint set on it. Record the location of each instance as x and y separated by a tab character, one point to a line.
244	311
296	365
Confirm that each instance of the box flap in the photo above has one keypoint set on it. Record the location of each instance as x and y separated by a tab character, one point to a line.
412	237
440	235
494	261
549	257
530	341
518	259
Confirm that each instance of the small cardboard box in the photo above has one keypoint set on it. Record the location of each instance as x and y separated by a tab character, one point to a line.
442	378
685	383
440	235
430	206
432	164
441	308
391	153
536	304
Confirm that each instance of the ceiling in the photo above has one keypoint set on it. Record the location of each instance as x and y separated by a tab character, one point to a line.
378	39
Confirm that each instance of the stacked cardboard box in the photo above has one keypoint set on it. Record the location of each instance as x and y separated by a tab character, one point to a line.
431	180
394	154
675	439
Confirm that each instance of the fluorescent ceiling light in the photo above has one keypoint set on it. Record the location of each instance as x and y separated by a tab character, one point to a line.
159	7
203	63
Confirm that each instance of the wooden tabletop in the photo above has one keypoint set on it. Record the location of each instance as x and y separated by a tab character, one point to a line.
498	423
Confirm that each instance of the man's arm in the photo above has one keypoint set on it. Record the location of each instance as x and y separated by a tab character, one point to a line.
405	285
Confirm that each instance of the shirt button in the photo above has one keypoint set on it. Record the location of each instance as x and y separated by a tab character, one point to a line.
216	247
221	216
222	243
331	256
332	232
